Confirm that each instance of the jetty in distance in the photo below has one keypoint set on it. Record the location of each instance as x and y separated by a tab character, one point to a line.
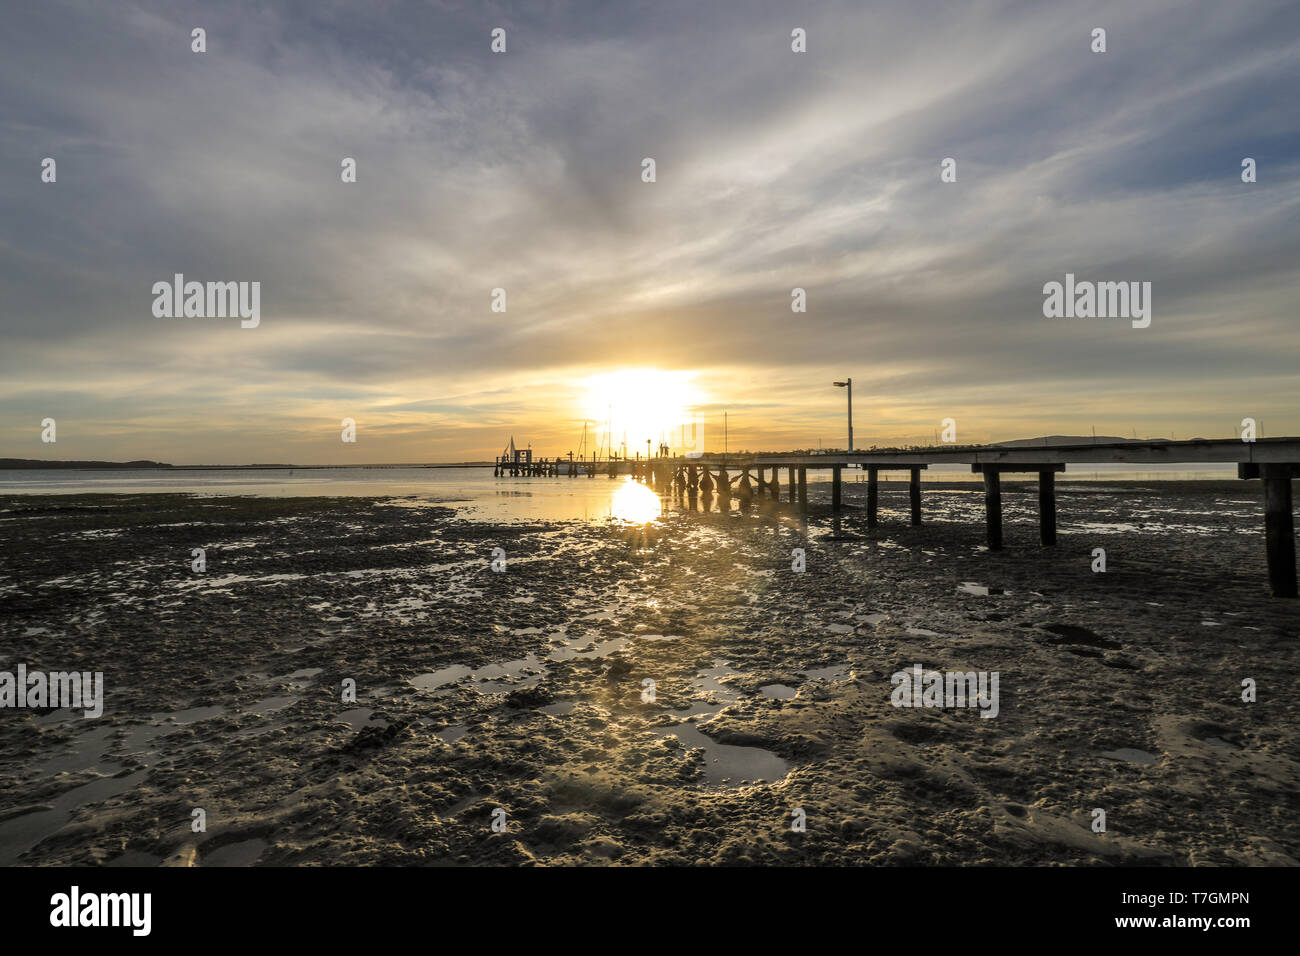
1272	461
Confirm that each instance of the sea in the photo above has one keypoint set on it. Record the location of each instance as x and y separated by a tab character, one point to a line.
474	490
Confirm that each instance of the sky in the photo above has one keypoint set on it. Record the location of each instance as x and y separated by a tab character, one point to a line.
523	171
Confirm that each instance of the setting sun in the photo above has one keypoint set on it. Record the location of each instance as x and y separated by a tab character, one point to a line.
630	406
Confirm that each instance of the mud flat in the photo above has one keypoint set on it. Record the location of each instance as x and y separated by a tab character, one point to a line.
648	694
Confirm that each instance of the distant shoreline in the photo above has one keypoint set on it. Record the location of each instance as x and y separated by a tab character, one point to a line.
23	464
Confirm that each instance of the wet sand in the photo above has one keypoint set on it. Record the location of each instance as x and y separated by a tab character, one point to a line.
523	690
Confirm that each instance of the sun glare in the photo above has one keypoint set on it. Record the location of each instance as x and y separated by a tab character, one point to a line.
629	406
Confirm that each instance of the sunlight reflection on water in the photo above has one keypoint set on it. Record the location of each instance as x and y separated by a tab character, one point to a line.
635	502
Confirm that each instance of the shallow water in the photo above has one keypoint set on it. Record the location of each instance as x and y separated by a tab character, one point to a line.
358	718
501	677
452	734
726	765
21	833
243	853
1131	755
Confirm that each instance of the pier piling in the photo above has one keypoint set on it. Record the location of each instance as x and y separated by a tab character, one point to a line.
1279	532
873	497
1046	499
914	494
993	508
1279	523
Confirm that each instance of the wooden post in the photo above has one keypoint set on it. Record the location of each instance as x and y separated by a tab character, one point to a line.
873	497
794	485
993	507
1047	507
803	489
774	486
1279	529
914	492
762	482
835	487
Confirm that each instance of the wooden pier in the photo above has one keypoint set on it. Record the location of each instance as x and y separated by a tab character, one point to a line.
572	467
1274	461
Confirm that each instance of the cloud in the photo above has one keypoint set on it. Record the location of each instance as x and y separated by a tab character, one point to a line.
522	171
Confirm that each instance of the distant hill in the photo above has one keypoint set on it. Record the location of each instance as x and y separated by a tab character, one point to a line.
1048	440
15	463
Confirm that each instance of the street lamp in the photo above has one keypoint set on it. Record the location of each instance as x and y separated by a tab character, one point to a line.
849	385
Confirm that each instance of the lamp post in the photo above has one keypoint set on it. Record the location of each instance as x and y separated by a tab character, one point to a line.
848	383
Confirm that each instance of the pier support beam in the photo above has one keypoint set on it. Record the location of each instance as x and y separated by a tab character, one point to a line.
803	489
774	486
1279	523
762	482
993	508
914	493
835	487
873	497
794	485
1047	508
